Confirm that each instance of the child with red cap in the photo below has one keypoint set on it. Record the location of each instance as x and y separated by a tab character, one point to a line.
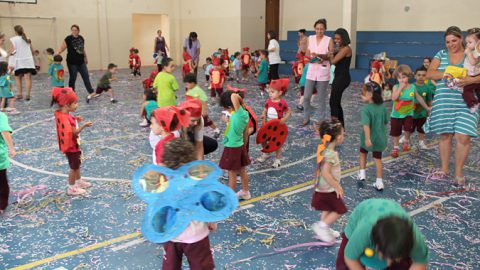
165	121
188	64
68	136
376	74
246	57
148	82
217	78
276	108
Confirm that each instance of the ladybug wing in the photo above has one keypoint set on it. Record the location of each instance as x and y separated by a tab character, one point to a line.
64	131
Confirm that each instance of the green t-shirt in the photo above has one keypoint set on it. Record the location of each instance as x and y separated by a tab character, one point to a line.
263	71
426	91
197	93
359	232
104	81
166	86
151	105
236	126
376	117
4	159
403	106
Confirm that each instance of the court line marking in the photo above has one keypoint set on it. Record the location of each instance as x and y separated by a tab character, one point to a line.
428	206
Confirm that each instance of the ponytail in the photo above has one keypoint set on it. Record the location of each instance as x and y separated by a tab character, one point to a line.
19	30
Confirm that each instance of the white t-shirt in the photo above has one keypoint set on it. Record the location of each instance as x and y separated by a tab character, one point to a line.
274	57
3	55
154	139
23	57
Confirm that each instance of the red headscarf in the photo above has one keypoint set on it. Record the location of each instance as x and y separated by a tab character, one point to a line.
280	85
165	116
193	106
64	96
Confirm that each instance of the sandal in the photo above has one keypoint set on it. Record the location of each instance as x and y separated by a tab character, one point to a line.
460	180
305	123
438	174
19	97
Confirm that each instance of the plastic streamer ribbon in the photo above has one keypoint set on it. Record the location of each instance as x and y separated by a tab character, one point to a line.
25	193
325	139
236	90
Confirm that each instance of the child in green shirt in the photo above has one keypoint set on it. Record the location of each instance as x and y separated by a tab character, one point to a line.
104	83
426	91
262	73
166	84
6	150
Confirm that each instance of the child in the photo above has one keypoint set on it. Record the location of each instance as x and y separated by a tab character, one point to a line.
37	59
148	106
148	82
237	64
217	76
387	92
6	150
328	195
245	57
302	81
164	122
235	156
254	62
193	242
262	73
426	91
6	90
104	83
194	91
56	72
166	84
188	65
50	52
375	73
157	60
137	63
275	108
471	92
207	67
374	118
131	59
297	68
403	97
380	234
68	136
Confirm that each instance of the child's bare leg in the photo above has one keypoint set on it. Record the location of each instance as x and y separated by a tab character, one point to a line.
71	177
331	217
2	103
244	177
278	153
421	136
396	141
11	103
363	161
77	175
379	166
110	93
232	179
407	136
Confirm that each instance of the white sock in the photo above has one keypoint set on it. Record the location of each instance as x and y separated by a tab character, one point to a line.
217	130
361	174
89	96
379	180
111	99
323	225
71	186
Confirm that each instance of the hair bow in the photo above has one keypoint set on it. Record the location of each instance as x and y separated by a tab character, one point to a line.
325	139
236	90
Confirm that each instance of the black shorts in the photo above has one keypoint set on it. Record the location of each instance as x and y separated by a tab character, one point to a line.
22	71
102	89
376	154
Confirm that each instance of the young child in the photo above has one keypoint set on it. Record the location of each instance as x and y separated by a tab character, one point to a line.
50	52
193	242
237	64
166	84
254	62
164	122
235	156
104	83
68	136
275	108
403	97
375	73
157	60
207	67
328	194
56	72
217	78
245	57
6	92
131	59
471	92
137	63
426	91
297	68
387	92
148	82
374	119
188	65
302	81
194	91
37	59
148	106
6	149
262	73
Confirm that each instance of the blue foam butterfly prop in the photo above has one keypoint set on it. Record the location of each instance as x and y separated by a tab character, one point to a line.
177	197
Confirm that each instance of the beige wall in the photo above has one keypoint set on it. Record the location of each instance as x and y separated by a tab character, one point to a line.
253	24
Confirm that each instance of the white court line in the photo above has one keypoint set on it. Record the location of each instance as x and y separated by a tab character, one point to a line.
428	206
284	166
128	244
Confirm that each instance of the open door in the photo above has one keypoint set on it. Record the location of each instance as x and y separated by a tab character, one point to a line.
272	18
144	31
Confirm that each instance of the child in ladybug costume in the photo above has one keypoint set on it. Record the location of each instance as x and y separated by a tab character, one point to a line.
297	68
246	58
217	78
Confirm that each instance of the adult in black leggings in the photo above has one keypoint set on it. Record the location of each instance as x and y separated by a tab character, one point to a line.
341	59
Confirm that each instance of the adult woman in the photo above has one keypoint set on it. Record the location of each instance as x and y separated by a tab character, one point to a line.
450	116
76	59
341	59
160	44
302	41
273	55
3	53
320	49
22	61
191	45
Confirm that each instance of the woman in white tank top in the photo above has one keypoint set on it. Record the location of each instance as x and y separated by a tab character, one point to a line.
22	60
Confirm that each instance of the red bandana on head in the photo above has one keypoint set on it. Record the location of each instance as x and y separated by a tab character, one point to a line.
377	65
153	74
193	106
280	85
236	90
165	116
246	49
64	96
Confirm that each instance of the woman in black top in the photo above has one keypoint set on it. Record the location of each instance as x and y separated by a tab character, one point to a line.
160	44
341	59
77	59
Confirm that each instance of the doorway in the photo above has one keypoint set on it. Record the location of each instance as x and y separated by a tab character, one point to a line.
144	31
272	18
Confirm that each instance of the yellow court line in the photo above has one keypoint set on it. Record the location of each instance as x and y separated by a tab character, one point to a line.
137	234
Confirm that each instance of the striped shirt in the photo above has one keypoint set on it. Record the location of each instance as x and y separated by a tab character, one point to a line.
449	111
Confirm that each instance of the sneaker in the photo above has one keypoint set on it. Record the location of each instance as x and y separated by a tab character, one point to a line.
113	101
88	99
322	234
27	98
13	112
277	163
406	147
244	195
262	158
300	107
8	109
75	191
378	185
83	183
361	177
402	139
394	152
144	123
422	145
335	234
216	134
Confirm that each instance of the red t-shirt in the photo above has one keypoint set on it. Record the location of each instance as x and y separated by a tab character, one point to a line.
136	61
147	83
185	69
66	123
276	110
160	145
217	77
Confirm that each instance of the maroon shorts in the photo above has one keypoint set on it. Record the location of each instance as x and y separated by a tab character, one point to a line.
207	121
418	125
199	255
297	79
262	85
302	90
328	202
74	160
234	158
246	67
341	265
215	91
376	154
397	124
101	90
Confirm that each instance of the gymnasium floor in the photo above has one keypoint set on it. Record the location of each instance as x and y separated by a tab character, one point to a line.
49	230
